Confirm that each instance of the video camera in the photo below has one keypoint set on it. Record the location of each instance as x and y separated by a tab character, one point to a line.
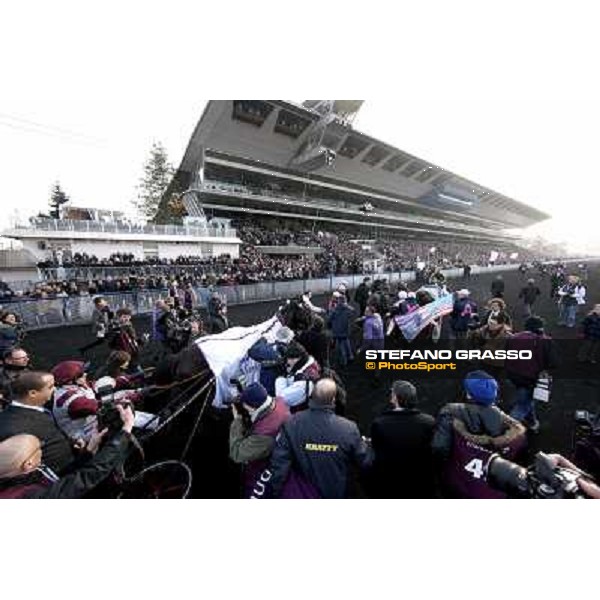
541	480
586	423
586	441
109	417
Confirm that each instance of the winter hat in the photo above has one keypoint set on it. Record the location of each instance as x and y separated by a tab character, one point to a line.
68	370
402	295
481	387
254	395
463	292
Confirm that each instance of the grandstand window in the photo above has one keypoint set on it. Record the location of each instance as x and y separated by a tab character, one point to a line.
395	162
352	146
251	111
426	174
290	124
413	167
375	155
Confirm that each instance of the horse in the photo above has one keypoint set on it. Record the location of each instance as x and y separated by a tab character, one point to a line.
296	315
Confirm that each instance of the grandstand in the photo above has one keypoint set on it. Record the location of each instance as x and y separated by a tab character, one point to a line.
306	163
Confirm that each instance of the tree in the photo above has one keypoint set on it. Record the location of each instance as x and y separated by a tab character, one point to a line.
57	199
154	181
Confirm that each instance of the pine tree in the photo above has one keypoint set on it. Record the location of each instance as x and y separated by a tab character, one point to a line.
57	199
154	181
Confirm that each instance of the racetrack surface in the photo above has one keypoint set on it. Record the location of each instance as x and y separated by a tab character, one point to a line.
216	477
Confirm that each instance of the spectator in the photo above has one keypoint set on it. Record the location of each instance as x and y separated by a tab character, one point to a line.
15	362
492	336
101	319
9	332
571	295
190	298
524	374
219	321
23	475
401	442
252	444
123	336
373	334
320	446
315	341
464	314
529	295
362	294
497	287
339	321
588	351
26	414
494	308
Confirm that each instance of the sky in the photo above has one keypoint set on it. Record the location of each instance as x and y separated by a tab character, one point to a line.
507	97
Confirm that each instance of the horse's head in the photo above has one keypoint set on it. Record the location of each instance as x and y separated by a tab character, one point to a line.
295	315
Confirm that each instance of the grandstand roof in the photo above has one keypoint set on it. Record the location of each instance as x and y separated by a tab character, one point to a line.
316	142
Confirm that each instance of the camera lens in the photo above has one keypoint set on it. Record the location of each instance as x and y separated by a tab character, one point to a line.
507	477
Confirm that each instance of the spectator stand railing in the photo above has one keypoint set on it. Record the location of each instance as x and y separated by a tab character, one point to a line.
44	313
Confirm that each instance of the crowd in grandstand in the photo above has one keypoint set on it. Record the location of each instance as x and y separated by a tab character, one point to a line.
80	274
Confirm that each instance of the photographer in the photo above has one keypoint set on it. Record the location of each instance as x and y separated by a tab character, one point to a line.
122	336
11	333
23	475
466	433
167	326
586	485
101	319
251	444
551	476
464	315
26	414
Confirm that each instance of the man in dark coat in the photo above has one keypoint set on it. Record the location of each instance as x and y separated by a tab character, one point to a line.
15	363
529	295
320	446
362	294
401	440
26	414
23	475
497	288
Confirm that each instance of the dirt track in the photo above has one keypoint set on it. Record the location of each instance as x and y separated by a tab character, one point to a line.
215	476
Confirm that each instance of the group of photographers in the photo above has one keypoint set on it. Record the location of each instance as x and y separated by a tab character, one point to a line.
465	452
38	459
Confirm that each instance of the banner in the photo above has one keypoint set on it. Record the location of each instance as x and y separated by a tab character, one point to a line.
413	323
226	355
514	255
493	256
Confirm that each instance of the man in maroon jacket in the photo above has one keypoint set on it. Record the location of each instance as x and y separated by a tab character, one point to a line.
251	443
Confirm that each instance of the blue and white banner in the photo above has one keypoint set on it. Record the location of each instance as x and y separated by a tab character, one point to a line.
227	356
413	323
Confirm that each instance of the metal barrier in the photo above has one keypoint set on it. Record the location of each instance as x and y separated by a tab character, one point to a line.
40	314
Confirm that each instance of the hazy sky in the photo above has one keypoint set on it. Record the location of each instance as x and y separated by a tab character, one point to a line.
506	97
